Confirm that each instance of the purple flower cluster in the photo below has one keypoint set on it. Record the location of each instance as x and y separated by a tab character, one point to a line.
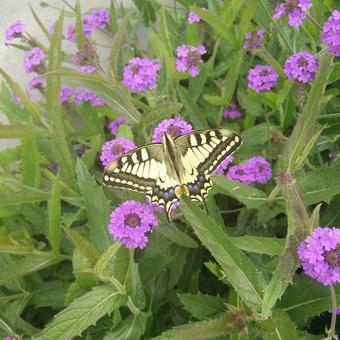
221	170
114	124
98	19
115	148
193	18
232	112
33	59
262	78
189	58
294	9
254	40
255	170
331	33
173	127
36	83
140	74
9	338
87	69
130	222
319	254
301	67
15	30
81	96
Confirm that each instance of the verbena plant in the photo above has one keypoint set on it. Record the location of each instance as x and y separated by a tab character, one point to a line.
67	269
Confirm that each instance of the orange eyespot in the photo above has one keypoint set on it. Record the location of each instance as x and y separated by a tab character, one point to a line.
179	191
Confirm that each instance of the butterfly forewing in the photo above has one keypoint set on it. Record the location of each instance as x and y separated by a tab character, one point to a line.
137	170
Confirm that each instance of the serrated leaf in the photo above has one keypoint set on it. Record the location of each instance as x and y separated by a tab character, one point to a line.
97	207
240	271
82	313
202	306
306	298
248	195
29	264
132	328
284	327
261	245
256	135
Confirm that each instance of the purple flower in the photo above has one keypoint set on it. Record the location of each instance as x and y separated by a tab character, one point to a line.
331	33
173	127
9	338
36	83
86	55
319	254
189	58
338	311
240	173
66	93
254	40
140	74
260	169
294	9
130	222
53	166
232	112
301	67
221	170
262	78
114	124
82	95
88	28
15	30
33	59
255	170
193	18
100	17
87	69
115	148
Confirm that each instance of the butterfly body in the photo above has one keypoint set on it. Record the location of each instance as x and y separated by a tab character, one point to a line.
181	165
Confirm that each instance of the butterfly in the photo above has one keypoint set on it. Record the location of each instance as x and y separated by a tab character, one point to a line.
181	165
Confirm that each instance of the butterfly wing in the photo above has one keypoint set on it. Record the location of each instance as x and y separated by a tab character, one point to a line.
144	170
202	152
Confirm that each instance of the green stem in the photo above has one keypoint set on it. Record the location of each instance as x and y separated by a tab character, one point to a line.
314	22
273	194
132	306
331	332
269	58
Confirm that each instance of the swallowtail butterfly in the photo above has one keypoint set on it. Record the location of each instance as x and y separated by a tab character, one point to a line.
181	165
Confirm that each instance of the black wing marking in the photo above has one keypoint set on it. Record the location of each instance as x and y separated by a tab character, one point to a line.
205	150
137	170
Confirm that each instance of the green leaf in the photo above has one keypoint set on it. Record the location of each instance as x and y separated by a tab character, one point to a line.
202	306
65	159
83	246
97	207
30	163
240	271
82	313
306	298
54	213
171	232
321	184
284	327
256	135
335	74
250	196
79	27
19	197
117	43
194	112
132	328
21	131
102	262
200	330
260	245
297	221
29	264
